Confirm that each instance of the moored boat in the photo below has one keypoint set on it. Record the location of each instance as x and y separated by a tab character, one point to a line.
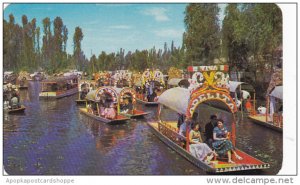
59	87
16	110
122	78
152	85
185	102
128	103
103	105
272	116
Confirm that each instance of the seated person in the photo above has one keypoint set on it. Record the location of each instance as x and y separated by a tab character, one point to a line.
83	93
110	113
14	102
222	145
127	107
209	127
197	148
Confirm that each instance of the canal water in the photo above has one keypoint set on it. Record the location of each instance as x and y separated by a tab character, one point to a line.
53	138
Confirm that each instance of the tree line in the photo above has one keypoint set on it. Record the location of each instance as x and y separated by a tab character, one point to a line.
22	50
248	39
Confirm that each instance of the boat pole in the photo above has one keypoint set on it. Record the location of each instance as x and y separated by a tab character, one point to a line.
254	109
187	134
241	101
233	137
267	108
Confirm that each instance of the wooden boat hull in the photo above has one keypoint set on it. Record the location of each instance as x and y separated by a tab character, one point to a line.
120	118
56	95
221	168
257	120
18	110
23	87
137	114
147	103
80	102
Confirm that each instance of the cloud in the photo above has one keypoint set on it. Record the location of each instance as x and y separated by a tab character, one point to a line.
120	27
159	14
169	33
94	22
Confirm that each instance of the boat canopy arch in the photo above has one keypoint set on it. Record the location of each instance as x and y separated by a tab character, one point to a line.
87	83
95	95
210	95
126	91
122	75
154	75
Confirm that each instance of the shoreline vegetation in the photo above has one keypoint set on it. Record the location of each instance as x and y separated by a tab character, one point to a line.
249	40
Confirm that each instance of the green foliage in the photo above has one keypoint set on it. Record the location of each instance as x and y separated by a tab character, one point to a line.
251	34
201	38
249	39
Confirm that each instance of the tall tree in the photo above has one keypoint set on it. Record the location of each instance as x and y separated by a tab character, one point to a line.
202	32
46	48
58	43
77	38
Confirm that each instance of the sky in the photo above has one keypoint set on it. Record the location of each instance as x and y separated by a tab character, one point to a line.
109	27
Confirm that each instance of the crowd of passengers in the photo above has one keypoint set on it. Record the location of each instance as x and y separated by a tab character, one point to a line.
217	141
108	108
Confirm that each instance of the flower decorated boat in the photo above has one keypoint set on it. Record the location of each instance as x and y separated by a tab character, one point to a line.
102	78
22	80
152	85
122	78
184	101
103	105
128	103
17	110
59	87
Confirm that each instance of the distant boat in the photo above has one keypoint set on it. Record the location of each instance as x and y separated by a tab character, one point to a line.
100	100
272	118
59	87
151	81
20	109
130	95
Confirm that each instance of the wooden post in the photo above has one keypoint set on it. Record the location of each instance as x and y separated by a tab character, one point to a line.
254	109
187	134
158	116
233	136
98	109
241	101
267	108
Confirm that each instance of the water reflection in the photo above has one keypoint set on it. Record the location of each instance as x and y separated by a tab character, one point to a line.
53	138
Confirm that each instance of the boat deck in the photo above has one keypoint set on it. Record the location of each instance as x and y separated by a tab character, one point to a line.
261	120
218	165
119	118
